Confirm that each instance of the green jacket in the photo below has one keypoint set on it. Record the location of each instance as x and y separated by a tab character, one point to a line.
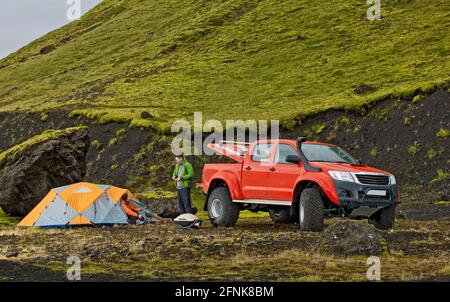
188	174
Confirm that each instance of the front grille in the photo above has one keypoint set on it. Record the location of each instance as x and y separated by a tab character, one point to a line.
371	179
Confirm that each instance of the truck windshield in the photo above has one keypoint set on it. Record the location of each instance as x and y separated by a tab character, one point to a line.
324	153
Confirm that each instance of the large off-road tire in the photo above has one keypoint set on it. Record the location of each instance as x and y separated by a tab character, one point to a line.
222	211
311	216
383	219
280	215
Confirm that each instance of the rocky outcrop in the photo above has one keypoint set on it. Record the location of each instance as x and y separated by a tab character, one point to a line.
347	238
29	170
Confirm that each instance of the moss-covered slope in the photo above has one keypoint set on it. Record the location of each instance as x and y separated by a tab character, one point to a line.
47	135
229	59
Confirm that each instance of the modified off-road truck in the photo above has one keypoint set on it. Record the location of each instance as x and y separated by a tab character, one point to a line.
296	180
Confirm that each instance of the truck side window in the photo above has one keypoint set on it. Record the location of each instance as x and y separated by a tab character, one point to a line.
262	153
283	150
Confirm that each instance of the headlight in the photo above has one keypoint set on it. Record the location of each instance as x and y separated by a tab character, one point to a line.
343	176
392	179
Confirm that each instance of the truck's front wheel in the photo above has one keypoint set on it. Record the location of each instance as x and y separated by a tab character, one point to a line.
310	214
221	209
384	218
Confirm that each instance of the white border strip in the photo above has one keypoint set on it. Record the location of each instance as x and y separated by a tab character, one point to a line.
263	201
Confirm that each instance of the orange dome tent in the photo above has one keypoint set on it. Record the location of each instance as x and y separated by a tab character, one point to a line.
79	204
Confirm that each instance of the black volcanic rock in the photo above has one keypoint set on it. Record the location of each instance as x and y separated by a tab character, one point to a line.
31	169
346	238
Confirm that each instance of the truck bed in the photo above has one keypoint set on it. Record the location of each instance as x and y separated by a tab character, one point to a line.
209	170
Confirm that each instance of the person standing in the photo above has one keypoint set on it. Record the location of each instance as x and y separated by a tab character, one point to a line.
183	175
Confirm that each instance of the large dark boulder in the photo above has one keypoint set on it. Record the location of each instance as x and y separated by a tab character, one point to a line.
346	238
31	169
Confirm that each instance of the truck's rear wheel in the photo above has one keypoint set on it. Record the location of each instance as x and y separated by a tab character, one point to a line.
280	215
310	214
384	218
221	209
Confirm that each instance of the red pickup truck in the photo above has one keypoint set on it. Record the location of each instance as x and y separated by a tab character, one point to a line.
296	180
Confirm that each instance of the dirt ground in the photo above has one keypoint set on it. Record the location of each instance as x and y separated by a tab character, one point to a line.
255	249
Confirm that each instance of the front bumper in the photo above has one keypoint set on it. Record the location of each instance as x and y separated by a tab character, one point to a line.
354	195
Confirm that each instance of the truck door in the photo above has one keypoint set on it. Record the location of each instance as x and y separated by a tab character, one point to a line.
255	173
282	175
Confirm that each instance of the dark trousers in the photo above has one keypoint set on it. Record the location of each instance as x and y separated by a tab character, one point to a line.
184	200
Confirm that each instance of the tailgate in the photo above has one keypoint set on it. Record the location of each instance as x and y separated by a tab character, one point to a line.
232	150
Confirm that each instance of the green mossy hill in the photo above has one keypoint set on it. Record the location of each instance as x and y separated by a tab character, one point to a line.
149	62
47	135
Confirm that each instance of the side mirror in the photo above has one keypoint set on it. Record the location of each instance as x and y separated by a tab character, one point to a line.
293	159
